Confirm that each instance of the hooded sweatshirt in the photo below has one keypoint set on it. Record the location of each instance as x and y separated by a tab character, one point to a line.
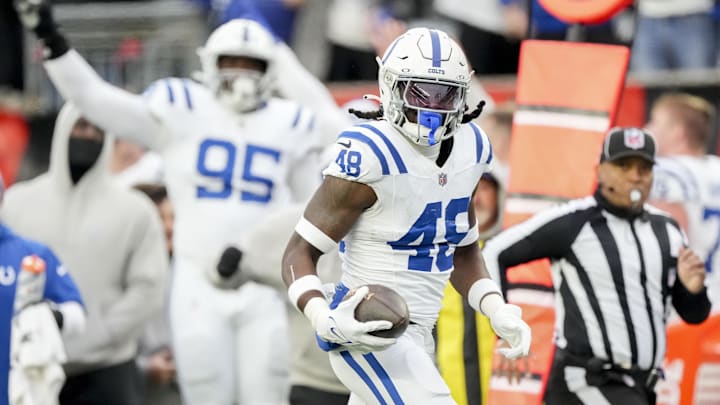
109	237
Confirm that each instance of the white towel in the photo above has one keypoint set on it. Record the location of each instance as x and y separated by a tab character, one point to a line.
36	357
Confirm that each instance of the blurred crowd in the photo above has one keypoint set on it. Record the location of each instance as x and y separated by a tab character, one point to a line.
335	39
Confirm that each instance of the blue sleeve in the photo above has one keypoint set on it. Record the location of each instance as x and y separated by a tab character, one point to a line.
247	10
205	5
59	285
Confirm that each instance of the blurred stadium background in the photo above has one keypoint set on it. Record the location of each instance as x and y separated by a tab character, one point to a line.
130	43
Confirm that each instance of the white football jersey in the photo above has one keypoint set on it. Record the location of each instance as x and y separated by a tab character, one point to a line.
695	182
406	240
226	171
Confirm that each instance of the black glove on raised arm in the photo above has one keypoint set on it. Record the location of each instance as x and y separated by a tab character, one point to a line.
36	16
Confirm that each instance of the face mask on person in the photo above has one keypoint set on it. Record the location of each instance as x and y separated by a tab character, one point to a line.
84	152
82	155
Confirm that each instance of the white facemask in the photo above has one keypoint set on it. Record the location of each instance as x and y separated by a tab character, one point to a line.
243	95
240	91
420	133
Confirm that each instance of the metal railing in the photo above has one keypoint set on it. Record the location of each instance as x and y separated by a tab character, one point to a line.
129	44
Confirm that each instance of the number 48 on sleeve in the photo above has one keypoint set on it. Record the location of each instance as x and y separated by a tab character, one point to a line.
349	162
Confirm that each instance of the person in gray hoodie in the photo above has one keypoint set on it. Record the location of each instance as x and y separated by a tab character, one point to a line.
111	238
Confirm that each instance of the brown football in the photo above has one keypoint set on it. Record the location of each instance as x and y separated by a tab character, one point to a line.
383	303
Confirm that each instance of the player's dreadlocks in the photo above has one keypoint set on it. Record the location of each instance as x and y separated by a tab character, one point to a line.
474	113
376	115
368	115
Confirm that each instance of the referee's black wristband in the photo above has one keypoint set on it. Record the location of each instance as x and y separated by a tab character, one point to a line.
692	308
55	46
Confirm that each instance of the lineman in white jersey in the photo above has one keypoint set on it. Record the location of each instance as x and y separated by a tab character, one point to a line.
687	179
232	155
398	195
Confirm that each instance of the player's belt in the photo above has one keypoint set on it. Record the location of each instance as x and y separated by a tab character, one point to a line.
601	371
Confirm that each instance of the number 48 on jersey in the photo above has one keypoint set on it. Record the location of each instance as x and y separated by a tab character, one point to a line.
425	230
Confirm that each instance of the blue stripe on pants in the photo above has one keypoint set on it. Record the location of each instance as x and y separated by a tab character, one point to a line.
385	378
363	375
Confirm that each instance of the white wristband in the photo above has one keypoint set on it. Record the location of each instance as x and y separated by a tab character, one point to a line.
315	236
315	309
485	297
301	286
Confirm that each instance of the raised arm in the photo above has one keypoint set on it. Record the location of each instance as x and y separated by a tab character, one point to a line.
111	108
297	83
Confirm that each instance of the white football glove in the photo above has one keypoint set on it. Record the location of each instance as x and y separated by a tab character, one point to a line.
507	323
340	326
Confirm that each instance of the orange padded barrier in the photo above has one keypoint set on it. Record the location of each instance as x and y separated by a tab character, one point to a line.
584	12
13	142
692	364
567	96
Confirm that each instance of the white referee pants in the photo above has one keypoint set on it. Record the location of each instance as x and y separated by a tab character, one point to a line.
231	346
402	374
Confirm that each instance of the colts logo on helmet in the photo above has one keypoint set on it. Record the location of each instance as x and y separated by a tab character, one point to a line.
442	179
634	138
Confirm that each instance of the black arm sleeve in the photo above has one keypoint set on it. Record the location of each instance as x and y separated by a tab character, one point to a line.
548	235
692	308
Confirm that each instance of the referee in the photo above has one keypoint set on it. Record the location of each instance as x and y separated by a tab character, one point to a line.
617	264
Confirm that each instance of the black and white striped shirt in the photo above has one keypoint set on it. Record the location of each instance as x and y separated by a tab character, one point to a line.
614	275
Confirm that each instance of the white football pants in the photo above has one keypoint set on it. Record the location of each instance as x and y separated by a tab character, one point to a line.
231	346
404	373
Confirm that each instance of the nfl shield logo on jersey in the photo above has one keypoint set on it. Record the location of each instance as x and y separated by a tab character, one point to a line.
634	138
442	179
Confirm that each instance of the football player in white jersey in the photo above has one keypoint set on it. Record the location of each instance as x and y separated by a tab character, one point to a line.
232	154
687	179
398	200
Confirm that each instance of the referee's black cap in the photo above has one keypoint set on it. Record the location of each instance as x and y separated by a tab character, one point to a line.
622	142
